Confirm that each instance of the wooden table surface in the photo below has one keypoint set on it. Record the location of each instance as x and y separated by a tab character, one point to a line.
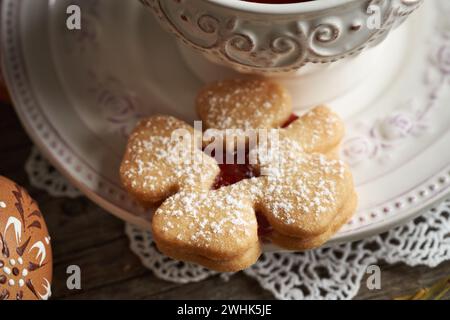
85	235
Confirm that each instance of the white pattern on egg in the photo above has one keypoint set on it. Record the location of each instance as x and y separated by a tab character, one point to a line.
41	251
17	234
17	227
48	291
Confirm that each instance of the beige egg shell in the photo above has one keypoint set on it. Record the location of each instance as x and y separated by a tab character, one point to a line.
25	250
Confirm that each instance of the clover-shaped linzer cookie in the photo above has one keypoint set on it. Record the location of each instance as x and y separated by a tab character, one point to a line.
154	168
295	193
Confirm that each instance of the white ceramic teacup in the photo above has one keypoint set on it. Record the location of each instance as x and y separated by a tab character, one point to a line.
279	38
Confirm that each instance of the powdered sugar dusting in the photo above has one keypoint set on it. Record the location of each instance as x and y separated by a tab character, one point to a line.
298	183
204	217
156	163
243	104
292	185
318	130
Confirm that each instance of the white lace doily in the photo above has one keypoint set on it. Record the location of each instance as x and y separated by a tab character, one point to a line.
325	273
44	176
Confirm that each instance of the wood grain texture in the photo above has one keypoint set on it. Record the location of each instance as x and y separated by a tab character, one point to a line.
85	235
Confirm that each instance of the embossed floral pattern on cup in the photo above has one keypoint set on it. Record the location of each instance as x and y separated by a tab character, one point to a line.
230	34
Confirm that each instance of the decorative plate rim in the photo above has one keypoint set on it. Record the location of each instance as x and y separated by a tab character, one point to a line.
107	194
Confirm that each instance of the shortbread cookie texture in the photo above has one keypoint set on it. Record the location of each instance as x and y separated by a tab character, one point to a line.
319	130
216	228
157	164
306	243
261	104
244	104
304	195
306	198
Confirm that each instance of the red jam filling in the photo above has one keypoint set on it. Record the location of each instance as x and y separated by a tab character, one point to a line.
234	173
231	173
291	119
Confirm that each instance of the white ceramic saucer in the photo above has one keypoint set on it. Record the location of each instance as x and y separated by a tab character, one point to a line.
79	93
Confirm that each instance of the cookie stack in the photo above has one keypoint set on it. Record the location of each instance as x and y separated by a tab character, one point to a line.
216	204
